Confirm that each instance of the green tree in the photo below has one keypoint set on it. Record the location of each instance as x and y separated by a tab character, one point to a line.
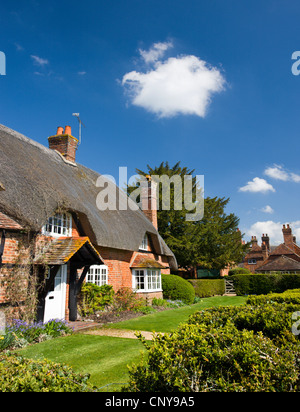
213	242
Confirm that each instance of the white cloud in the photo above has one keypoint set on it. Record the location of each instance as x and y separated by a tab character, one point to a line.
257	185
156	52
39	61
83	73
278	172
273	229
295	178
267	209
178	85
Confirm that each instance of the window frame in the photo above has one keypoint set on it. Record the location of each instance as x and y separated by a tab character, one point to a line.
149	278
53	222
144	244
252	261
96	277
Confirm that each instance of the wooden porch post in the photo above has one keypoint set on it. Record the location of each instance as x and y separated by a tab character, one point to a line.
74	289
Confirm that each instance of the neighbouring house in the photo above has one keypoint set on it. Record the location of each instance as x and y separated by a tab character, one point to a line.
50	226
284	258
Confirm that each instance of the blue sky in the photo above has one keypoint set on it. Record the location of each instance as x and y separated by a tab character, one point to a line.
204	82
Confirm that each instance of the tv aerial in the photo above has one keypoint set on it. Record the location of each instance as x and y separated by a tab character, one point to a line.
80	123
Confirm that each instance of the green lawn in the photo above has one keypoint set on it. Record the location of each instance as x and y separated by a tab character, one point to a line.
106	358
168	320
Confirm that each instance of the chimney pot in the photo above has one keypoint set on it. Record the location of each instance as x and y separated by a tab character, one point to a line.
60	131
68	130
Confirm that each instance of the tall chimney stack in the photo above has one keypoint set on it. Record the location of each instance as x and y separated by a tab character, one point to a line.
288	236
149	199
64	143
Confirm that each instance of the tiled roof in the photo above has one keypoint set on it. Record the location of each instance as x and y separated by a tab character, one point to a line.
62	250
283	249
8	223
142	261
282	263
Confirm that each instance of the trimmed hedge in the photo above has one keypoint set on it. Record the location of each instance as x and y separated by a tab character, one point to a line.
224	349
204	288
289	297
176	288
200	357
260	284
18	374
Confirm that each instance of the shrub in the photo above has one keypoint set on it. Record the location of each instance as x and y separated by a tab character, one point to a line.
285	297
205	288
239	271
177	288
273	320
260	284
94	298
127	300
199	357
18	374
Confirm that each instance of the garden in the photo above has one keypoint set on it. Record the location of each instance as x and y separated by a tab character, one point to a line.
218	343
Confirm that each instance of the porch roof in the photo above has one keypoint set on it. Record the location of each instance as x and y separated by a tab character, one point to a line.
62	250
8	223
142	261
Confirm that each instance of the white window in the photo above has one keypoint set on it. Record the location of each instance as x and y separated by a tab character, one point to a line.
58	225
146	280
97	274
144	245
252	261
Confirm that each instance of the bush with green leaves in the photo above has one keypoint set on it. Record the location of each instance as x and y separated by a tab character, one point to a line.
273	320
94	298
200	357
289	296
232	348
128	300
205	288
261	284
18	374
176	288
239	271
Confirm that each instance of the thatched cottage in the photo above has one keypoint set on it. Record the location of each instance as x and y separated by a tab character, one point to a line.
50	222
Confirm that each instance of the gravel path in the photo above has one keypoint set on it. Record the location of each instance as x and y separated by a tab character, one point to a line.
119	333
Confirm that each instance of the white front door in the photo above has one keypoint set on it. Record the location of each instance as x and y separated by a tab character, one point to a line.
55	303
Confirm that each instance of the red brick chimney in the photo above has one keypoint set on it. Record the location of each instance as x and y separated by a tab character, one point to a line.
149	200
265	250
254	241
265	239
65	143
288	236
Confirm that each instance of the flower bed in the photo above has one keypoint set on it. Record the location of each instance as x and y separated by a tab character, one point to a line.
20	333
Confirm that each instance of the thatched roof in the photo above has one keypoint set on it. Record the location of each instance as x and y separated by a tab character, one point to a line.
38	180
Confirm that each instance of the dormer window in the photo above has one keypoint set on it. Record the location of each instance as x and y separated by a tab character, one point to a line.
144	245
58	225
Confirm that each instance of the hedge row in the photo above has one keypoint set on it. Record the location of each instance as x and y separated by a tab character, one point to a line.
227	349
205	288
18	374
289	297
259	284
